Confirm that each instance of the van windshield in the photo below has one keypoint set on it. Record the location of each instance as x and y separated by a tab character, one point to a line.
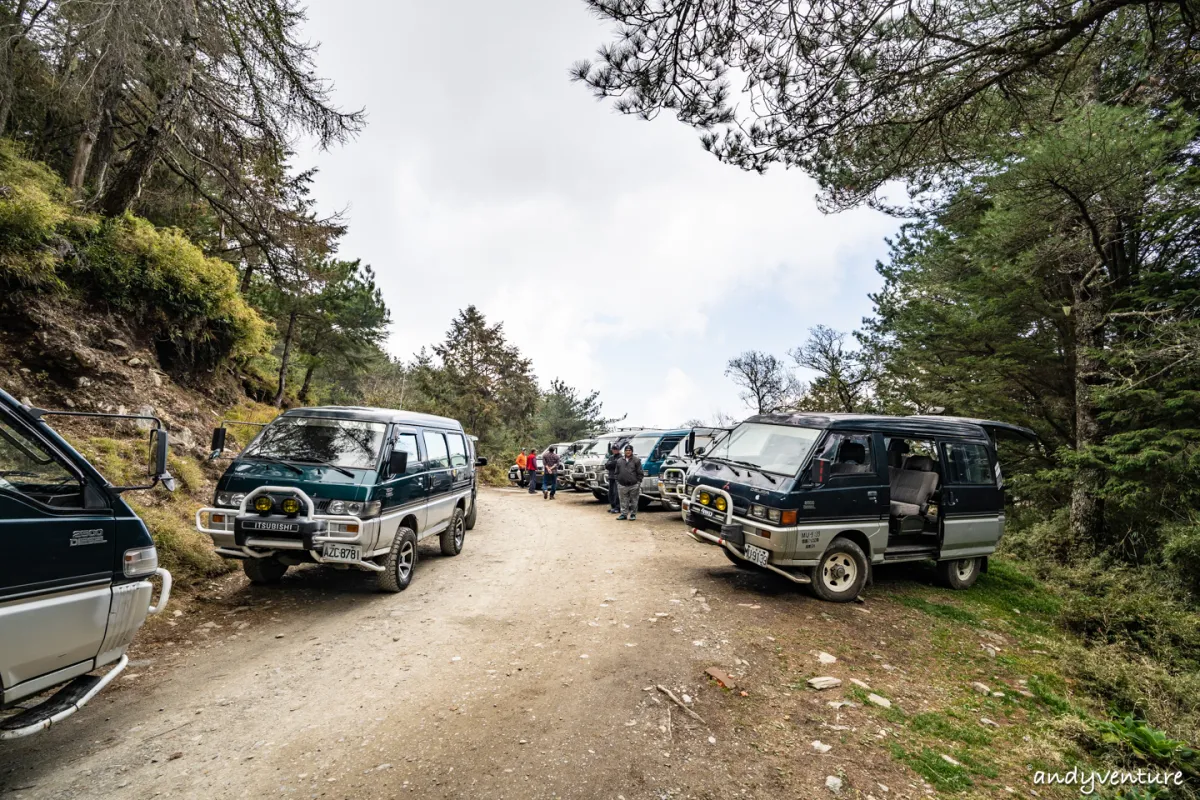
781	449
644	445
346	443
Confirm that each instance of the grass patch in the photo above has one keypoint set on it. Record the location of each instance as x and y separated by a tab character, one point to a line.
941	726
929	764
940	610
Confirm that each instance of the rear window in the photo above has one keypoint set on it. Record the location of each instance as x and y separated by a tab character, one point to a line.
968	464
458	449
439	456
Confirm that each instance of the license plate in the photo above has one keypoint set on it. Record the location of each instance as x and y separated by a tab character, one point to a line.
757	555
343	553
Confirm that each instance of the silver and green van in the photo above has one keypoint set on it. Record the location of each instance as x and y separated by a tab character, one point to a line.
348	487
76	570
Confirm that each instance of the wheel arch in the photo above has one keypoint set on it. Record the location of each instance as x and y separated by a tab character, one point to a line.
410	522
859	538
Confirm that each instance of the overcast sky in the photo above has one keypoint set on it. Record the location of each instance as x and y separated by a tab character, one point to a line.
618	254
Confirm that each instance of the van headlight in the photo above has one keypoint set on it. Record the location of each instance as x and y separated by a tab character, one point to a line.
140	562
356	509
230	499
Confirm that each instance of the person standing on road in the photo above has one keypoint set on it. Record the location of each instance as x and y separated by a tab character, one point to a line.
531	468
550	464
521	462
610	466
629	476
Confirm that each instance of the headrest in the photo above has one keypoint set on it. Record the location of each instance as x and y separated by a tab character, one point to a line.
919	463
896	450
852	453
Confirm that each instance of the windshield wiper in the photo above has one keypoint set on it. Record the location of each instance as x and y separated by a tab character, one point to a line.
342	470
275	460
724	461
756	468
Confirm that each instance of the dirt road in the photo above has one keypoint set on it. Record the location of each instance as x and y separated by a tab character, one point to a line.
522	668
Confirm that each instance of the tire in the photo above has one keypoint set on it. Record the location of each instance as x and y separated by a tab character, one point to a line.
474	515
841	573
400	562
264	571
959	574
455	534
737	562
599	495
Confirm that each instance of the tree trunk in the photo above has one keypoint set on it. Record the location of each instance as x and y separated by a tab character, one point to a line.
304	388
1087	507
286	358
103	152
246	276
83	156
127	184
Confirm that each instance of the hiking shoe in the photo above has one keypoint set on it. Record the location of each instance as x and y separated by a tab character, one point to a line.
612	511
633	516
622	516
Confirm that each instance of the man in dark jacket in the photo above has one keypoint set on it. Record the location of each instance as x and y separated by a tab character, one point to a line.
610	466
629	476
550	463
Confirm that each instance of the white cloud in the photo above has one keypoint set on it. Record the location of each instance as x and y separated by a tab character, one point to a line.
485	177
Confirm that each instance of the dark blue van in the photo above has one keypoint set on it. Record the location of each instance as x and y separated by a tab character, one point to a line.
75	572
653	448
350	487
820	498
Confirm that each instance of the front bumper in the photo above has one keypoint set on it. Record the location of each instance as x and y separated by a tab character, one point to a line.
672	486
239	534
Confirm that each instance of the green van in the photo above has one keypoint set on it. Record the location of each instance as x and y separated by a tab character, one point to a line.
350	487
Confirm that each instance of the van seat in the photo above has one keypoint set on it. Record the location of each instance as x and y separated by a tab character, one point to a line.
912	486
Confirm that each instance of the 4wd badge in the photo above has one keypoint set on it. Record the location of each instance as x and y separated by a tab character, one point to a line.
93	536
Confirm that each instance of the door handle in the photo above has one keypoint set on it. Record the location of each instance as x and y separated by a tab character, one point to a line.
873	495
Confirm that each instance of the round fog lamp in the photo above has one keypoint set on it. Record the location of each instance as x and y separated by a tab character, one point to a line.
262	504
721	504
705	498
290	505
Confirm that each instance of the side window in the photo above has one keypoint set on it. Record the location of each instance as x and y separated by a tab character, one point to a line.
28	468
407	442
850	453
439	456
968	464
458	449
666	446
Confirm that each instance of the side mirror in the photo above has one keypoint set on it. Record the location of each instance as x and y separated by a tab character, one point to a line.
818	472
699	451
218	443
398	462
481	462
159	448
691	443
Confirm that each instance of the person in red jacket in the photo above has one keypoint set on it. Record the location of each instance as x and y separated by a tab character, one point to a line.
531	467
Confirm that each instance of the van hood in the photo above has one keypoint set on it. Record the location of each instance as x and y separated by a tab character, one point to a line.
313	480
742	483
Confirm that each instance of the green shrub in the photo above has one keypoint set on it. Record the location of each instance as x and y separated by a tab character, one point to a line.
190	302
32	208
1150	744
1182	553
